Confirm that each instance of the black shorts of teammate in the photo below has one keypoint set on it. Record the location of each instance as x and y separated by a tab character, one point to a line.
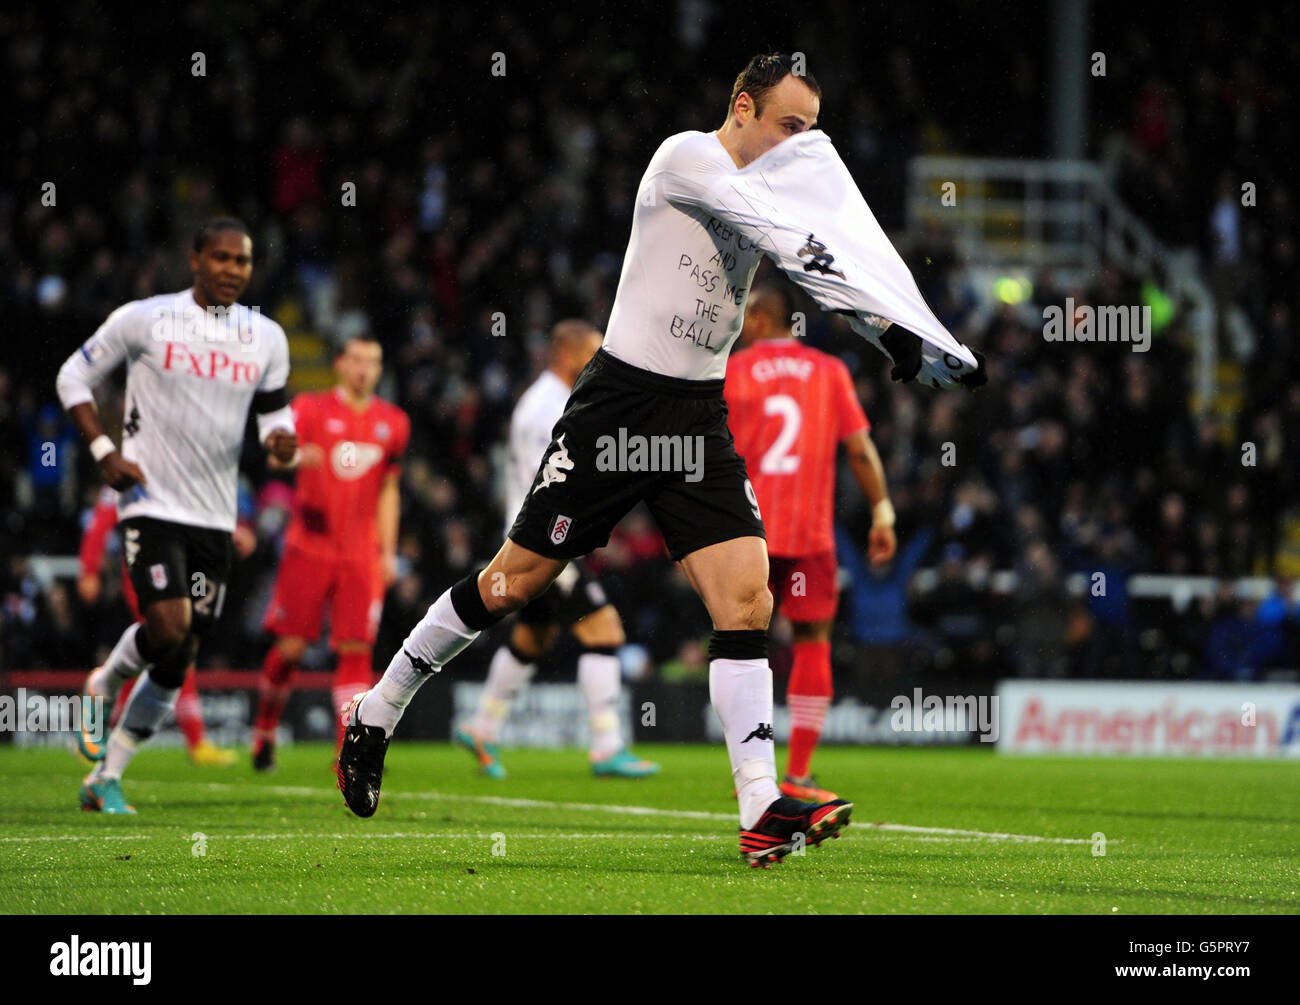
574	594
629	435
167	560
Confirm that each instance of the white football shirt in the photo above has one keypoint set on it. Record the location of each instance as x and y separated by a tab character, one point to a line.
699	228
190	380
538	410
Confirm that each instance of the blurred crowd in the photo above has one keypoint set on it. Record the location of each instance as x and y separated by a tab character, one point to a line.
489	204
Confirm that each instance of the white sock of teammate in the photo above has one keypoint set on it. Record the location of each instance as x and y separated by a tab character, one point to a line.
741	693
441	634
600	681
123	663
148	708
507	676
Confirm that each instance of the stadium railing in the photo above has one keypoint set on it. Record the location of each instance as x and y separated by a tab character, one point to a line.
1063	214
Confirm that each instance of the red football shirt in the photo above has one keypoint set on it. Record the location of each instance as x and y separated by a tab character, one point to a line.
789	407
336	502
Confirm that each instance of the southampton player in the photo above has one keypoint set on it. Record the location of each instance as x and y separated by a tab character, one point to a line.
657	382
196	362
790	407
189	714
576	601
340	550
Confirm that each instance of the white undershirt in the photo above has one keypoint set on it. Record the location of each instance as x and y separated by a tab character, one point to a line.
681	296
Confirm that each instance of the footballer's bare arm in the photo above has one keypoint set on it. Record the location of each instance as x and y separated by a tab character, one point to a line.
119	473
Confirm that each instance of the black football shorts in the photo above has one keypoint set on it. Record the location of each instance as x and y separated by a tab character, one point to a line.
167	560
629	435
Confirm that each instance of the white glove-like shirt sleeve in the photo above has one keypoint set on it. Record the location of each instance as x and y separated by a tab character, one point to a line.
801	207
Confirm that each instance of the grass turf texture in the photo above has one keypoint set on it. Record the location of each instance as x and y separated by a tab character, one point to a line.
1197	837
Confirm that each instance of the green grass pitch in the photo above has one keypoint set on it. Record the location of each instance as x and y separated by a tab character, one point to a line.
964	831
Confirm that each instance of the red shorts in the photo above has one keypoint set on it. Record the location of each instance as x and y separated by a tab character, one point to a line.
805	588
305	585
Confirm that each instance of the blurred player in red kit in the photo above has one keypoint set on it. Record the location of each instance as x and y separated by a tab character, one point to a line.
340	548
189	714
790	406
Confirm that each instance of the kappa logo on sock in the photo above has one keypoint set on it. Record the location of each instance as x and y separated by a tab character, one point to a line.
420	664
158	573
560	527
762	732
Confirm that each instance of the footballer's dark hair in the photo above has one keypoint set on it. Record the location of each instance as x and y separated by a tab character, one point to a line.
778	299
764	72
217	224
365	336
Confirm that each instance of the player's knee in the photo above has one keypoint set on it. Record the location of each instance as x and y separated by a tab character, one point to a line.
292	648
168	628
754	608
601	629
744	607
504	594
611	637
527	642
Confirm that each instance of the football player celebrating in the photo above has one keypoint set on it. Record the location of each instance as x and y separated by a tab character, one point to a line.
197	361
709	206
341	546
790	407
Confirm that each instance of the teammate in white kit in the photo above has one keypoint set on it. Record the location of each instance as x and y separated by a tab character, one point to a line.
196	362
577	600
647	422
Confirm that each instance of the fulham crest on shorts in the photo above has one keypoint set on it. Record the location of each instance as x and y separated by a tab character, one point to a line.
560	528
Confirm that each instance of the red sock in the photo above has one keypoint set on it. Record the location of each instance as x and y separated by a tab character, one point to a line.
808	695
353	674
273	693
189	716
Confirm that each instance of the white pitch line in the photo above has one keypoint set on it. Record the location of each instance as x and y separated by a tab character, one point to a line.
977	835
303	791
364	836
701	815
462	836
81	837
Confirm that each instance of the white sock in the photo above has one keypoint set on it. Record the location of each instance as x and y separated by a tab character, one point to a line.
118	752
507	676
123	663
438	637
599	678
741	694
148	708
